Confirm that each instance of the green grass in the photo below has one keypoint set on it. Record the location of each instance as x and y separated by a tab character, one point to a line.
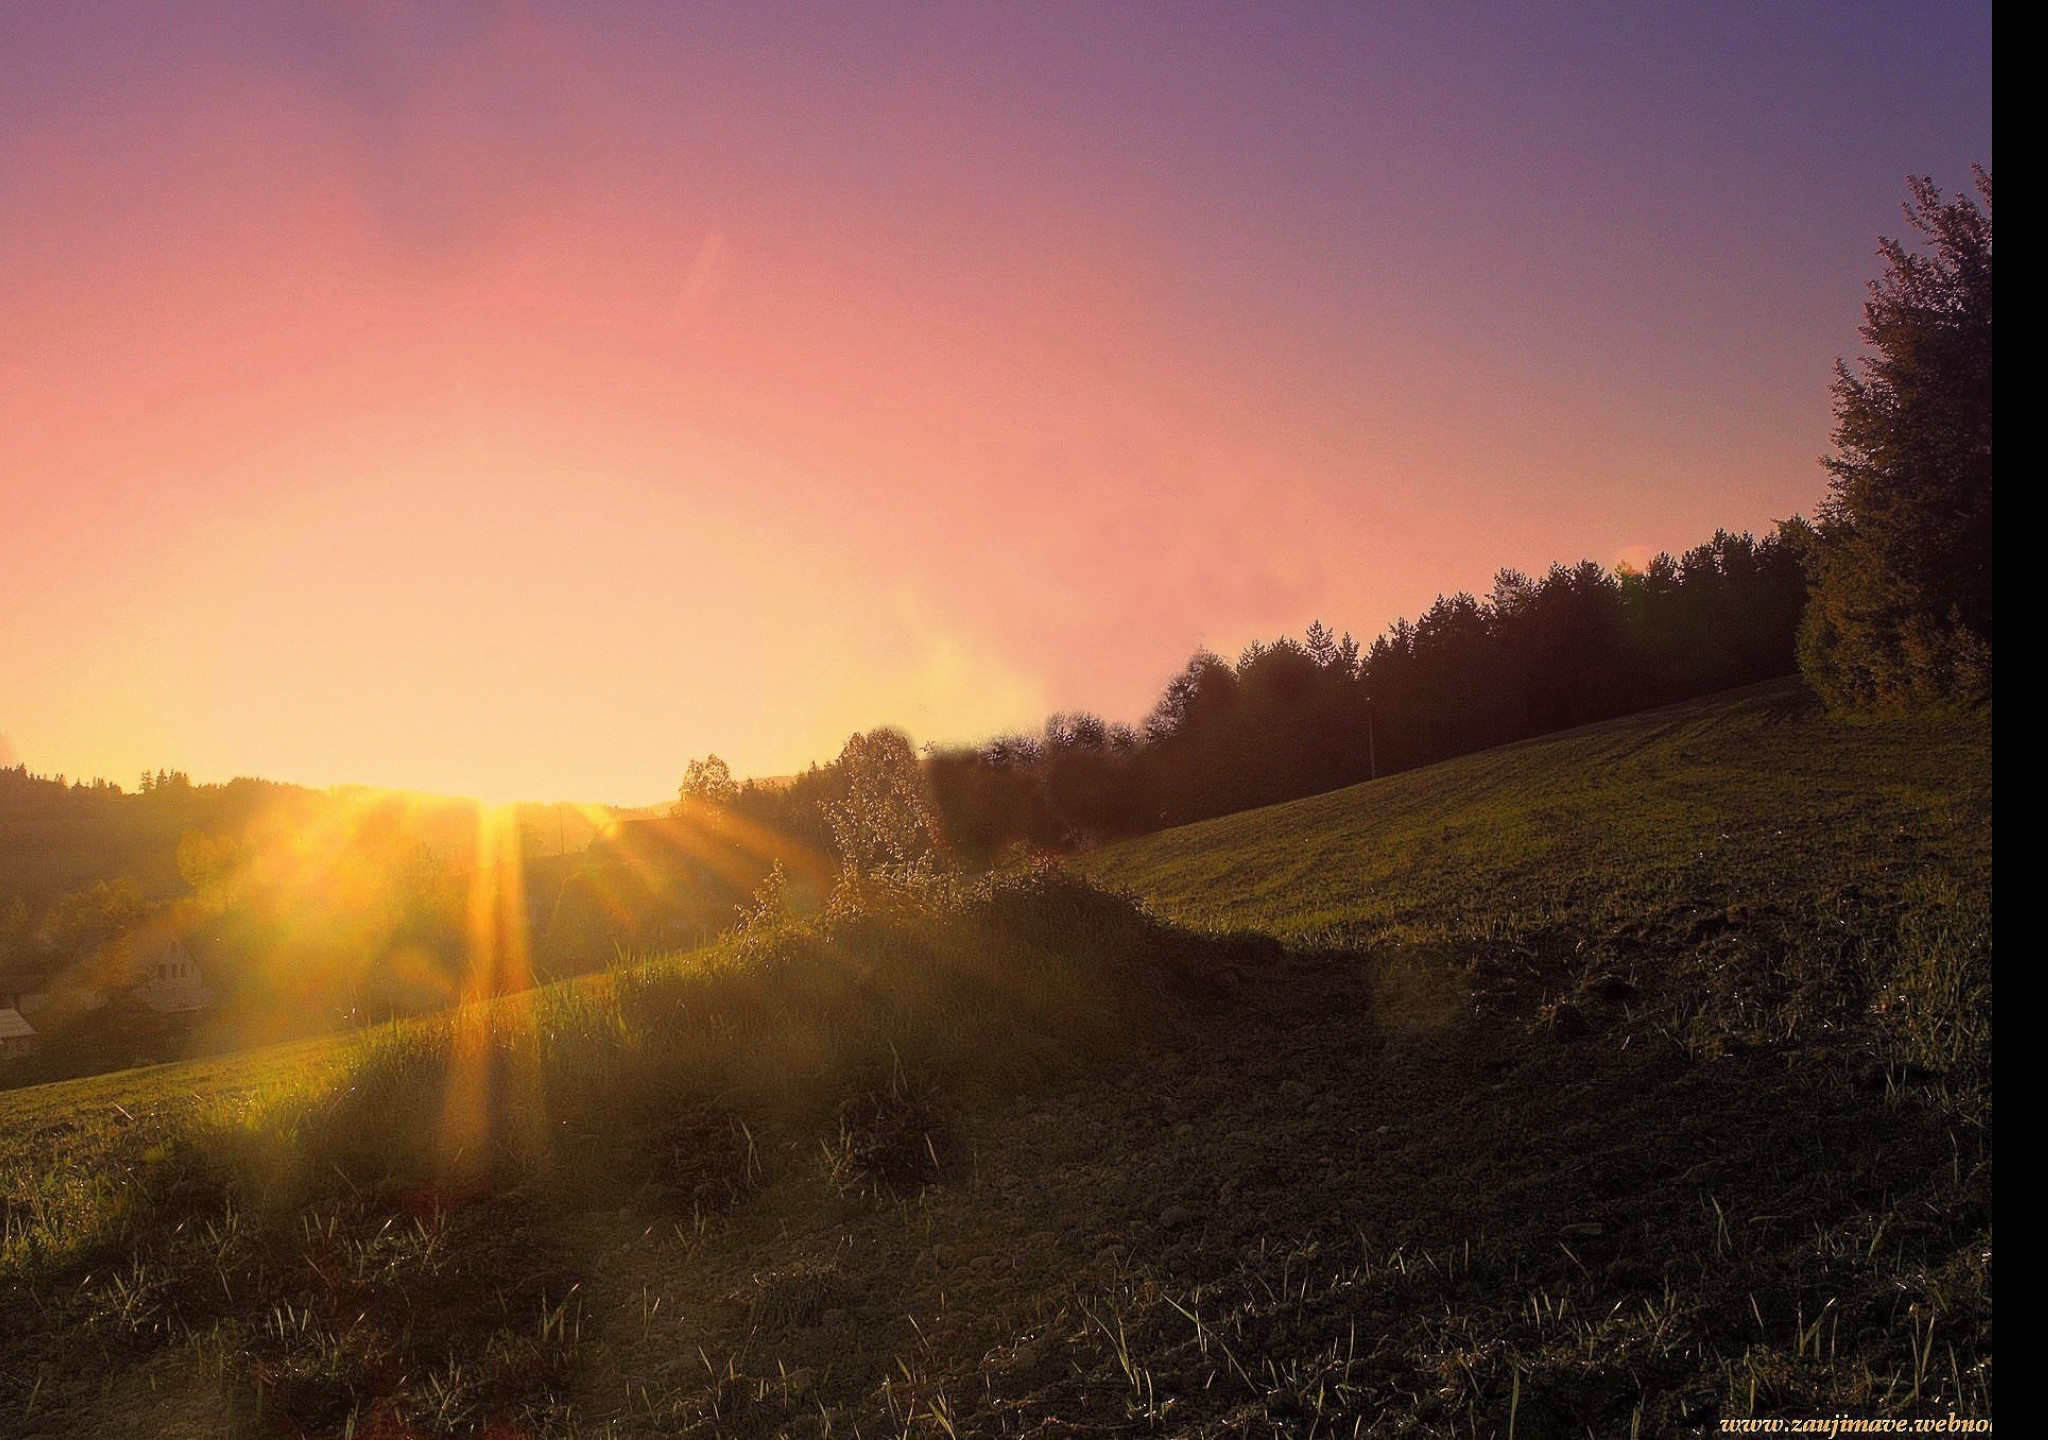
1787	869
307	1222
1756	797
1604	1084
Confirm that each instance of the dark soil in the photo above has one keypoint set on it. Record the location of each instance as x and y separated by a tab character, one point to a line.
1370	1203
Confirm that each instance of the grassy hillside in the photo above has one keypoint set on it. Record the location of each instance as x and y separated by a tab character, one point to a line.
1610	1084
1752	795
1788	864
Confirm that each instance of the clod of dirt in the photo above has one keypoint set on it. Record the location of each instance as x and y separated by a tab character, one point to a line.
888	1138
1613	989
796	1294
1564	1021
711	1160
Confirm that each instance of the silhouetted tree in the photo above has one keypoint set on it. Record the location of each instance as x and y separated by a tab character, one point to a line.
707	782
1296	717
1901	608
883	823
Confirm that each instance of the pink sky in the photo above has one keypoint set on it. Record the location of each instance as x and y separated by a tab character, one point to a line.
518	405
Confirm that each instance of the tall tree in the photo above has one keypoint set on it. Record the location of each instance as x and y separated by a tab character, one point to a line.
706	782
885	824
1901	607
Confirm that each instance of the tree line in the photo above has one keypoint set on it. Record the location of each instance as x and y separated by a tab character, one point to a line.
1297	716
1884	602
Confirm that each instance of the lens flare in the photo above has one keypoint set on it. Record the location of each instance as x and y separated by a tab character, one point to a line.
494	1103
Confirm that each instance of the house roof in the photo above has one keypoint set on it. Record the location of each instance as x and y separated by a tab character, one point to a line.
13	1027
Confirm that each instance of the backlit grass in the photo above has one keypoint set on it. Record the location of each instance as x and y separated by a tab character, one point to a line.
386	1233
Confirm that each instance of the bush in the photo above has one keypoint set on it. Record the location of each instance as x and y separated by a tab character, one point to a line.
888	1138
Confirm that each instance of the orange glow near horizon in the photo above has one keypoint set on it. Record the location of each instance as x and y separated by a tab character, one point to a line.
485	400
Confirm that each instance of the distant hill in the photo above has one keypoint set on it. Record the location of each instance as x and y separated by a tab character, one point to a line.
58	838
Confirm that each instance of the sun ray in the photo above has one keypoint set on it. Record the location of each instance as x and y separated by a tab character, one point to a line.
493	1096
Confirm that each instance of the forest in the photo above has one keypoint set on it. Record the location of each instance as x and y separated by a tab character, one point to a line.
1297	716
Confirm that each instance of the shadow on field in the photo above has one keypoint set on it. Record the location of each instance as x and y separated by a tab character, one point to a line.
1383	1201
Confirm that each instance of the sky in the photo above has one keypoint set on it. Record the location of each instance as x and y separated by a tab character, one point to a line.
519	399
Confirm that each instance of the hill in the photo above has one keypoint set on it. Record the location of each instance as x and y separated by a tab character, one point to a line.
1748	798
302	911
1610	1084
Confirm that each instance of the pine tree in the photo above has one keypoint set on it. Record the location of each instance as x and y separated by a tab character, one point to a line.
1901	605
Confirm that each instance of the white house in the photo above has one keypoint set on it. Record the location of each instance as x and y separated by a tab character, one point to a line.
18	1038
166	977
151	967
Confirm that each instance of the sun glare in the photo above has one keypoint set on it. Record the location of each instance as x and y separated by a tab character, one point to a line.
490	1078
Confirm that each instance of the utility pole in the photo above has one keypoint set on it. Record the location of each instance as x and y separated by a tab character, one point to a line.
1372	747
